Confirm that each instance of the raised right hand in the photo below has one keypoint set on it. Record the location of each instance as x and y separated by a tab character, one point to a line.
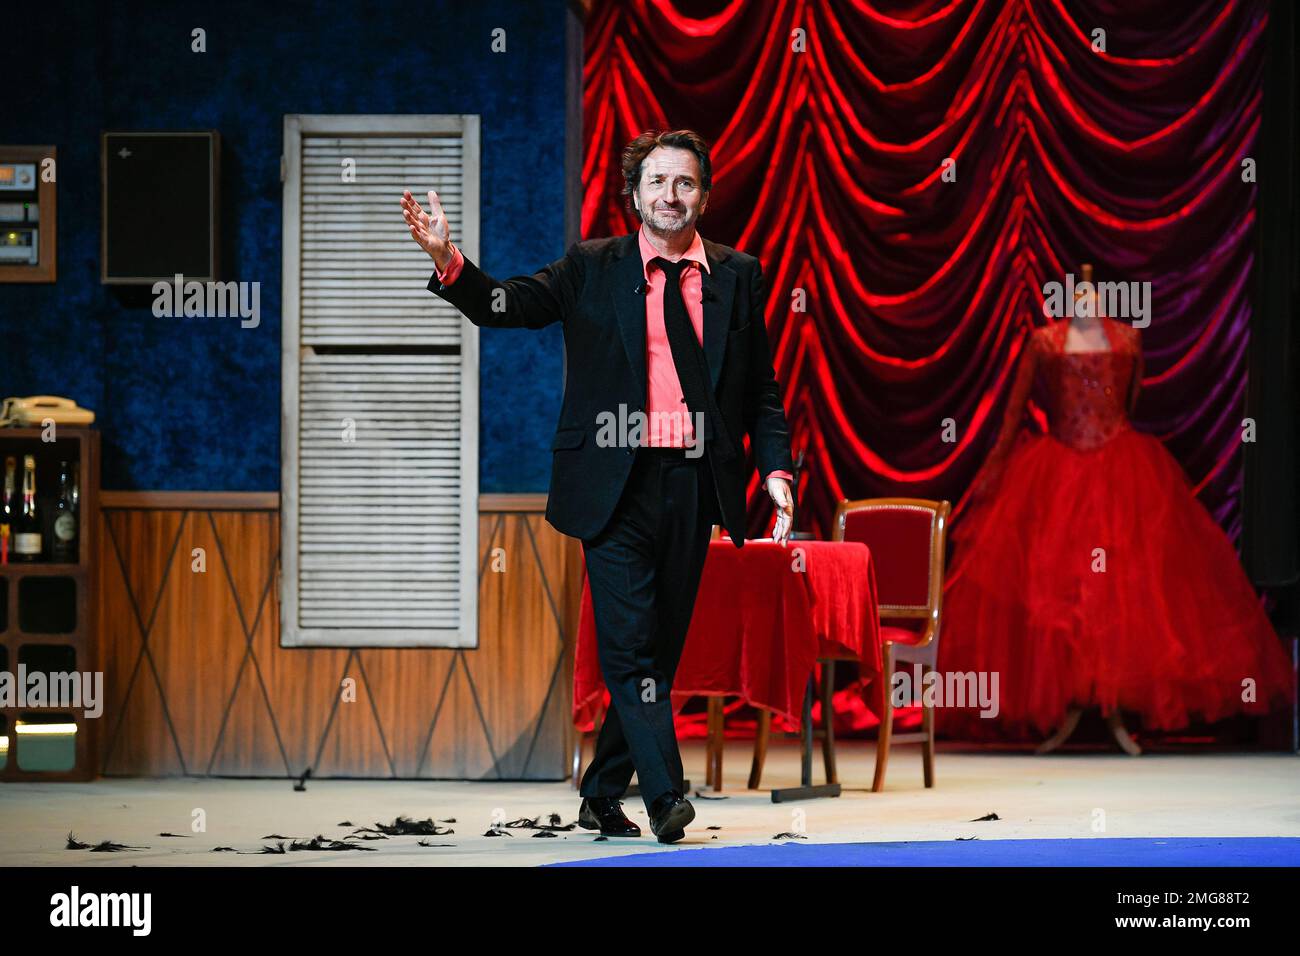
429	229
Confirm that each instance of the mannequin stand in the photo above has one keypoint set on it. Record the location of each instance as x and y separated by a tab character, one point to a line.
1114	723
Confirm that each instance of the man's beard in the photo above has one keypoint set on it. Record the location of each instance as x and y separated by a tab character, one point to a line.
668	223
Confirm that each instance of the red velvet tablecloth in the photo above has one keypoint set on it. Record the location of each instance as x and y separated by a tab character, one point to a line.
763	616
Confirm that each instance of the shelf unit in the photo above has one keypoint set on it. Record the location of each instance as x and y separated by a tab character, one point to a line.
47	609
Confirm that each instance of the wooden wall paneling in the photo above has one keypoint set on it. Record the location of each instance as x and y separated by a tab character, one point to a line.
303	685
196	642
522	637
136	554
408	686
198	683
248	739
354	744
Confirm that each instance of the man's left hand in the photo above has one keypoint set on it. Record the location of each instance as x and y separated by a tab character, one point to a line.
779	489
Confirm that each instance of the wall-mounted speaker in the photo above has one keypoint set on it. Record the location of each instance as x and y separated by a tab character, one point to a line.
160	206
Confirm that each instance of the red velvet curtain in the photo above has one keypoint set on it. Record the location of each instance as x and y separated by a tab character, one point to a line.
1108	131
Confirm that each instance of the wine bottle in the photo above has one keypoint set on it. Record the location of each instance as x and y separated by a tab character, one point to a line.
27	523
63	542
8	508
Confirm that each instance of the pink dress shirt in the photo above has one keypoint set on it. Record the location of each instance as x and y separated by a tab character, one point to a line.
668	419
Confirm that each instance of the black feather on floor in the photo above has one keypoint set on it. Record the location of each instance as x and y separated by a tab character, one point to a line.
704	796
108	846
224	849
278	848
987	816
713	828
967	838
319	842
530	823
105	846
405	826
790	836
346	823
494	831
182	836
427	843
275	836
545	833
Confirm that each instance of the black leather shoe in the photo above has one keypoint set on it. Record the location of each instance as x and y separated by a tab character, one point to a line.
669	815
606	815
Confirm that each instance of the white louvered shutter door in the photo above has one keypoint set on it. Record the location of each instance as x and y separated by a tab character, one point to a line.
379	506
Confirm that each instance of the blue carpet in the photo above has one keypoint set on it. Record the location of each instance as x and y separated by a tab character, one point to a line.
1171	851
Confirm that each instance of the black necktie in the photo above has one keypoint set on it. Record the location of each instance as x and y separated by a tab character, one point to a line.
688	357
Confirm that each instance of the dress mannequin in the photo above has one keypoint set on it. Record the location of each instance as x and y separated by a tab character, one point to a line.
1086	573
1086	334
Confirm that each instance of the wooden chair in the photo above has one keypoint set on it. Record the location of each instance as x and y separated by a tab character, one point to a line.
907	538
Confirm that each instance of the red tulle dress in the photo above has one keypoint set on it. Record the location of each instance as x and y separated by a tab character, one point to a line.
1085	572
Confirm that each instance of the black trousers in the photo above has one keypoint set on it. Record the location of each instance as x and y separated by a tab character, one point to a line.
644	569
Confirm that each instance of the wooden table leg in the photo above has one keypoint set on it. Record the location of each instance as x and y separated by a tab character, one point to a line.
713	756
828	721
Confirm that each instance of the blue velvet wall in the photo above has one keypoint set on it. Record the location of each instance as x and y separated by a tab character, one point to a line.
195	403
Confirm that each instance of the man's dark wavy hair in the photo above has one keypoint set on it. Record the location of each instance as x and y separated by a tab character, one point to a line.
635	152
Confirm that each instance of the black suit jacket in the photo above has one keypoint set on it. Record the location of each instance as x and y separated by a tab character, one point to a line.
595	291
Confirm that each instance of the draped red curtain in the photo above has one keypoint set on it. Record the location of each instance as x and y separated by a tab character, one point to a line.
1118	133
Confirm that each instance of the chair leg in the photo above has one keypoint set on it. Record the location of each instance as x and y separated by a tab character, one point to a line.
886	718
761	734
713	752
828	721
708	743
927	745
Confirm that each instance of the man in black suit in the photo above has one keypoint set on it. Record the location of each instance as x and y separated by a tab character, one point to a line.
669	367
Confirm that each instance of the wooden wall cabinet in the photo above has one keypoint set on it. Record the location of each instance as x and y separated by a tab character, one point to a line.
48	620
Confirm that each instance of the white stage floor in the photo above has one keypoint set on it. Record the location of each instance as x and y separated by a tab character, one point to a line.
1057	796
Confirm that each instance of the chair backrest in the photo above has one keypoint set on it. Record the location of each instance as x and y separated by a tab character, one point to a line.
907	538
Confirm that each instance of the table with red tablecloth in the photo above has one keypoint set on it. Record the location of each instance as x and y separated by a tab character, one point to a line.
763	616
